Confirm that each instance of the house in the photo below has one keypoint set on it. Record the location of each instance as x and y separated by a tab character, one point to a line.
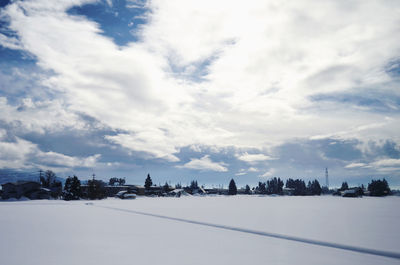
124	194
219	191
352	192
112	191
29	189
154	190
288	191
178	193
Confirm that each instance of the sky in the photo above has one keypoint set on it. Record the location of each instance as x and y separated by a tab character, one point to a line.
205	90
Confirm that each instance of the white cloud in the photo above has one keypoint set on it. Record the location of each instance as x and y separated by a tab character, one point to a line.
246	171
253	169
23	154
355	165
268	173
16	154
254	158
262	61
39	116
206	164
386	163
157	147
57	159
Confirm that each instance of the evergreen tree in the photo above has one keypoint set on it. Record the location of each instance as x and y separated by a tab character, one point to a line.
314	188
72	188
232	188
298	186
247	189
194	185
261	188
166	187
274	186
148	182
345	186
96	189
379	188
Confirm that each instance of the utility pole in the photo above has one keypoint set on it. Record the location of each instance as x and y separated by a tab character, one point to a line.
40	176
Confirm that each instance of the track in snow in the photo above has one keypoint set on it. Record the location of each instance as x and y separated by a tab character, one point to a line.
375	252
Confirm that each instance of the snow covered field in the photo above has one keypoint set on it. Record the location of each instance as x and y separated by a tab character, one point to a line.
117	232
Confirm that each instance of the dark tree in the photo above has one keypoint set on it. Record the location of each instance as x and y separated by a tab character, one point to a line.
298	186
314	188
148	182
116	181
274	186
345	186
72	188
96	189
49	181
379	188
166	187
232	188
247	189
194	185
261	188
112	181
178	186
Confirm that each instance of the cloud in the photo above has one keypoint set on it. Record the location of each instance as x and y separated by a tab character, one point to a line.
206	164
199	76
254	158
16	154
253	169
246	171
60	160
386	163
355	165
23	154
39	116
151	142
268	173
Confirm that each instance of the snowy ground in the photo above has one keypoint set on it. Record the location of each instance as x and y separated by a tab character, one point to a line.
115	232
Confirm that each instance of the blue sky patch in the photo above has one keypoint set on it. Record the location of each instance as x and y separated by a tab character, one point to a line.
375	101
121	21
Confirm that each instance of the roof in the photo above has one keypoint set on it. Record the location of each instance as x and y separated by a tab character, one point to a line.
20	183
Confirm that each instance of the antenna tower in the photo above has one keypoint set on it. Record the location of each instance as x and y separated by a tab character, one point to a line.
326	178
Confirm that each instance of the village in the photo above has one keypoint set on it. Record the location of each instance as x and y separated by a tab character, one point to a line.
49	187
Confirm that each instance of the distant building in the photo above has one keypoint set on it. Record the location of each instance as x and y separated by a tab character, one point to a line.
29	189
288	191
352	192
219	191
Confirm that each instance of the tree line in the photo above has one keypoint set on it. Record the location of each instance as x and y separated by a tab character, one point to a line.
275	186
296	187
96	189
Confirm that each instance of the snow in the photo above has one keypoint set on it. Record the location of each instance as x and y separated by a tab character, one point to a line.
113	231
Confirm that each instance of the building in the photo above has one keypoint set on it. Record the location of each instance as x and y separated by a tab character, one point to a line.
29	189
219	191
